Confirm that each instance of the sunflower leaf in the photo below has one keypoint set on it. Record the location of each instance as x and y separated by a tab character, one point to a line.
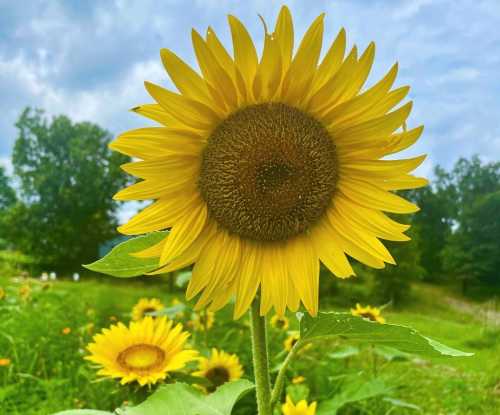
120	263
182	399
357	329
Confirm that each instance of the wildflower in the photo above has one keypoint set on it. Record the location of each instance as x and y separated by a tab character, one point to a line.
220	368
263	168
371	313
302	408
4	362
145	306
203	321
280	322
297	380
66	330
290	341
25	291
145	352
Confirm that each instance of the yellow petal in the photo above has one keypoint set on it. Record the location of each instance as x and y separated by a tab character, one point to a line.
187	81
300	74
162	167
213	72
360	75
345	114
156	113
184	232
331	62
153	189
249	279
268	76
245	55
283	33
406	181
304	271
404	140
184	110
147	143
380	169
371	196
330	251
392	99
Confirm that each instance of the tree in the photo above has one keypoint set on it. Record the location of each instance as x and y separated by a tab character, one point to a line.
67	178
7	199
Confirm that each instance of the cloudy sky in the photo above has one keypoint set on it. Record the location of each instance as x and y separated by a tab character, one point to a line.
89	59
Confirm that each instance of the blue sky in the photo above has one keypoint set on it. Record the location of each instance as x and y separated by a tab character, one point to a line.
89	59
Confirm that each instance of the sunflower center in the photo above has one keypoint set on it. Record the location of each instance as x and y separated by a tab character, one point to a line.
218	375
268	172
141	358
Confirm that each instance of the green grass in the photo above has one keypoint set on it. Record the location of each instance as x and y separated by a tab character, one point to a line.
48	373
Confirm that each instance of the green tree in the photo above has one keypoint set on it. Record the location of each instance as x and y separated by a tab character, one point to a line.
67	178
7	199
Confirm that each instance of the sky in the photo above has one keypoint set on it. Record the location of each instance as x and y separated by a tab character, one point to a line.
89	59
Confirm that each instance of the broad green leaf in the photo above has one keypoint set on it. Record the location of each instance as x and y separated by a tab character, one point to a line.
343	352
84	412
347	326
354	388
182	399
119	262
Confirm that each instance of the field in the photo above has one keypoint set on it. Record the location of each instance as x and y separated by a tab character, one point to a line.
44	332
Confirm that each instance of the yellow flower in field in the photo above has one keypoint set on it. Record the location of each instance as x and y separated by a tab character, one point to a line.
203	321
220	368
2	293
371	313
145	352
25	291
66	330
280	322
4	361
144	306
290	341
297	380
302	408
264	167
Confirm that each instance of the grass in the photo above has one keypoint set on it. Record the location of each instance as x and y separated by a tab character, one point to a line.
48	374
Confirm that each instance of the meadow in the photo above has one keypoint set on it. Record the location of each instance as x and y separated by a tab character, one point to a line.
45	328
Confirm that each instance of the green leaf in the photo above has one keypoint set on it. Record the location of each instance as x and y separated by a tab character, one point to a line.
84	412
347	326
119	262
354	389
182	399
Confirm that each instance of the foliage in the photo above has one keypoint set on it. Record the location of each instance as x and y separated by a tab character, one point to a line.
67	178
7	199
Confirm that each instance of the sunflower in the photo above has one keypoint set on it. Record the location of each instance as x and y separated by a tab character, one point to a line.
203	321
262	168
290	341
4	362
302	408
280	322
145	352
145	306
369	312
220	368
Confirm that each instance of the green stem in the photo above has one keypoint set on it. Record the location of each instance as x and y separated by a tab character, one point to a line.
280	379
260	361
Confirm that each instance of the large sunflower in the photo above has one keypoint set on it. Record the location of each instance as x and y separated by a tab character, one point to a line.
145	352
264	167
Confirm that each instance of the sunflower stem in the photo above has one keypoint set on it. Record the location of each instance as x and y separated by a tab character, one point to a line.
280	379
260	361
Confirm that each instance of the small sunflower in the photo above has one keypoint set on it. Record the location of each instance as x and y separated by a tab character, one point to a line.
203	321
144	306
25	291
290	341
369	312
302	408
280	322
145	352
262	168
297	380
220	368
